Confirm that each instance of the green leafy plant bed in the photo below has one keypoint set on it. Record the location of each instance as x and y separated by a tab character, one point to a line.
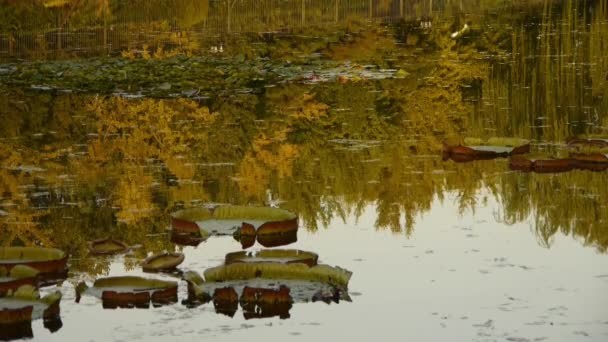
239	221
51	263
478	149
129	292
162	262
20	307
107	247
286	256
18	276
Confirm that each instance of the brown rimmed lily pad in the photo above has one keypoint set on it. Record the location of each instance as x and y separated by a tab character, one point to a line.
129	292
276	240
286	256
20	307
594	142
107	247
163	262
186	239
50	262
541	165
266	303
18	276
16	331
304	282
478	149
242	221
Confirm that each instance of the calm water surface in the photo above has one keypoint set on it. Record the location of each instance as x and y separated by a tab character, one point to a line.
341	123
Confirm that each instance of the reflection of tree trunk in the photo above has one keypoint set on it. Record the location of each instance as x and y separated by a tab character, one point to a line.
228	19
401	8
59	24
303	12
105	32
11	41
371	8
337	13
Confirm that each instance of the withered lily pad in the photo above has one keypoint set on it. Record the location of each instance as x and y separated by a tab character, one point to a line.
163	262
286	256
50	262
229	219
129	292
478	149
107	247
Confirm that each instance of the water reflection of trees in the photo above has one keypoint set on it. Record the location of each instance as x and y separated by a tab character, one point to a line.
121	177
78	168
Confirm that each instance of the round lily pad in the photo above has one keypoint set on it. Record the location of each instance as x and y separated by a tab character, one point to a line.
286	256
129	292
50	262
107	247
163	262
479	149
229	219
17	277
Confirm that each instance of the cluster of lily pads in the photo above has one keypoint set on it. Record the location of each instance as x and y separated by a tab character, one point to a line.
583	153
264	283
23	271
180	76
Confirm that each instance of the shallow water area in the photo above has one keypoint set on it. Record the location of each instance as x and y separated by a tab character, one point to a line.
115	116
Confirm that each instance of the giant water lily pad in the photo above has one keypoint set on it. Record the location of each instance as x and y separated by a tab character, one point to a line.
286	256
107	247
600	142
478	149
129	292
163	262
590	161
229	219
267	289
50	262
15	278
540	163
20	307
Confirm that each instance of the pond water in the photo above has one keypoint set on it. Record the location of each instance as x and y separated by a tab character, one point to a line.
338	115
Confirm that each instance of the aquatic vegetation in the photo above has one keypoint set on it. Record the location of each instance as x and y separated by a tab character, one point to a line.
163	262
50	262
227	219
17	277
107	247
287	256
129	292
267	288
478	149
20	307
